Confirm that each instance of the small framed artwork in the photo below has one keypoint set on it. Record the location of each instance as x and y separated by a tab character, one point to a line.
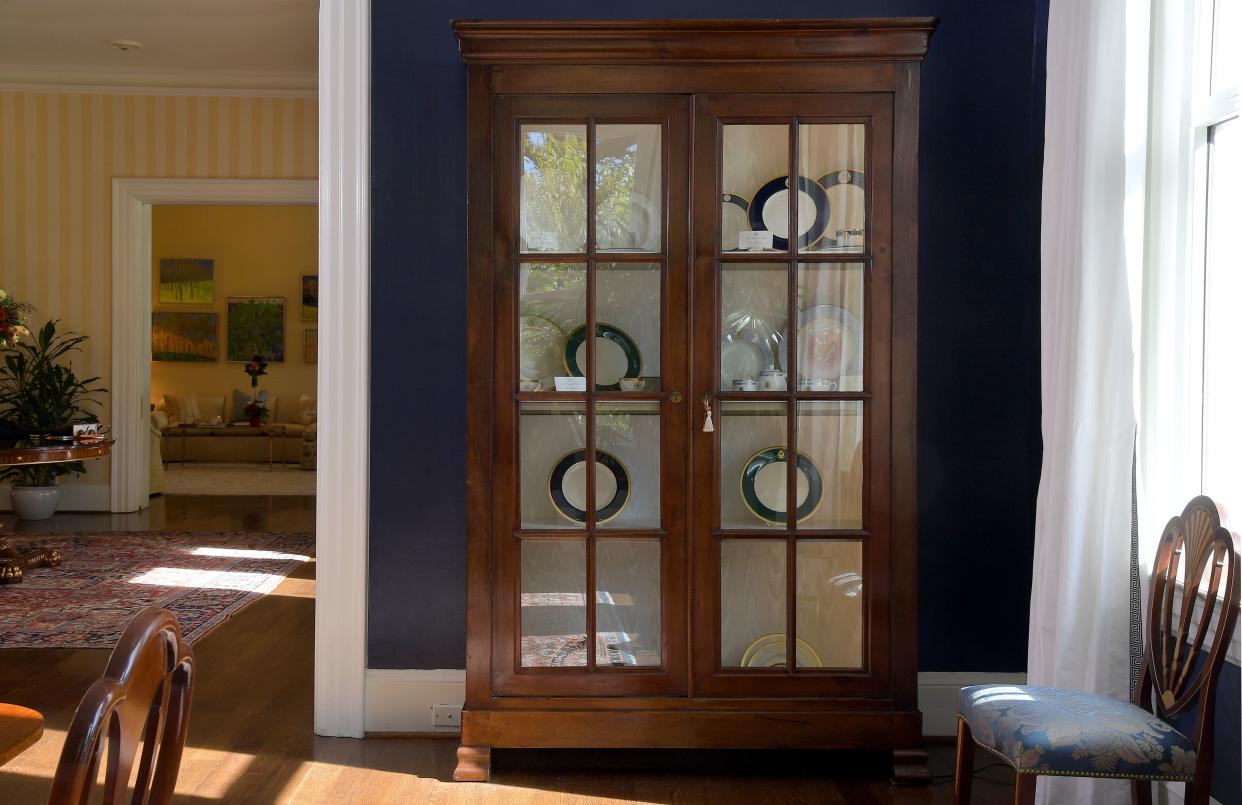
312	346
187	281
310	297
256	327
190	337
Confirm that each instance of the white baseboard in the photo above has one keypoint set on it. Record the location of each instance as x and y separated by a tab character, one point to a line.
938	695
401	700
73	498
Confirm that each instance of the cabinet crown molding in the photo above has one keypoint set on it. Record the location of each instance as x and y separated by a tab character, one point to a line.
692	41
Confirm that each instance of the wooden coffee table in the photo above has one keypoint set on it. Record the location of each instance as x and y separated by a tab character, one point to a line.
20	729
14	562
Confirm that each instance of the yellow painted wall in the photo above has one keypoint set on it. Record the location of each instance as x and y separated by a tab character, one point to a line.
60	151
258	251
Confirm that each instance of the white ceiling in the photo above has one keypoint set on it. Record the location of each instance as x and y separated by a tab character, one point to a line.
190	43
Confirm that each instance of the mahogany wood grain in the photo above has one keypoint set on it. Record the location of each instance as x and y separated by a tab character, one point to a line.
54	454
693	75
20	728
139	710
690	41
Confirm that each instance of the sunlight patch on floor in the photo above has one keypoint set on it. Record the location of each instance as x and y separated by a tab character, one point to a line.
262	583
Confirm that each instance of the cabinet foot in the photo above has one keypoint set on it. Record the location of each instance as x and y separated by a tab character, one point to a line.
474	764
910	767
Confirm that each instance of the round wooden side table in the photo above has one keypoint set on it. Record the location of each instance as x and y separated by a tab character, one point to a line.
14	562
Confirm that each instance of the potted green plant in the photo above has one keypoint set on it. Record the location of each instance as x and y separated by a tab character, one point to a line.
41	394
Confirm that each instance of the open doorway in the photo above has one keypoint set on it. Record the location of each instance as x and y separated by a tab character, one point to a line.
234	350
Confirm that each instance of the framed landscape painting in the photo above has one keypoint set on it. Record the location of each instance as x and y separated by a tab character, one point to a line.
312	346
256	326
190	337
187	281
310	297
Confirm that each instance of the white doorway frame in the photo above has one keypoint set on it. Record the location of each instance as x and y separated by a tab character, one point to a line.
132	200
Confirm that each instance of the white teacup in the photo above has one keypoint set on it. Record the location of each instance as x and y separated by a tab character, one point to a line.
530	385
745	384
772	380
633	384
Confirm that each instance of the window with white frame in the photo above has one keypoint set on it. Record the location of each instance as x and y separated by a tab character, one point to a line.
1190	319
1217	191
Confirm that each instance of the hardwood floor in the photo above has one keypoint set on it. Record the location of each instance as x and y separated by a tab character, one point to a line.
251	738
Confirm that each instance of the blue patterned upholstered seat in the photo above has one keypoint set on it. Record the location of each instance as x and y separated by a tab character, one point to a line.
1066	732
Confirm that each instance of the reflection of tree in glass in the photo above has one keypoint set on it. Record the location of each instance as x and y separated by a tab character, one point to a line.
614	190
554	190
540	278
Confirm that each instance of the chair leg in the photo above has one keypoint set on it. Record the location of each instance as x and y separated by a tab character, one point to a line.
1140	792
1024	789
1198	793
965	764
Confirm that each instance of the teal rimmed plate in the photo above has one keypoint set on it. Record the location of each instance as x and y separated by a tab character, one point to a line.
616	355
764	481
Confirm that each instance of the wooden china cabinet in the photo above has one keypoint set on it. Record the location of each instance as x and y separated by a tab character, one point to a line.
697	527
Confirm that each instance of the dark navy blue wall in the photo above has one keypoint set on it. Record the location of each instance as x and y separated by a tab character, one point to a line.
979	443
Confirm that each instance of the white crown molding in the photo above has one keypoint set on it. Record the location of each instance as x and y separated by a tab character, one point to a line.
130	81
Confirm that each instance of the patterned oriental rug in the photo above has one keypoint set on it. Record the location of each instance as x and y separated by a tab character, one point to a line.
204	578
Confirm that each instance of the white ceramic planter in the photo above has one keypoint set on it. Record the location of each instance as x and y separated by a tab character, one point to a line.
35	502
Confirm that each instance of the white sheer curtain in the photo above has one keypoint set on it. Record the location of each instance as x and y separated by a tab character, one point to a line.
1091	246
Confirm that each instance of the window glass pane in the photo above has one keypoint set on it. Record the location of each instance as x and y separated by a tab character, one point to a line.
552	446
627	343
832	159
553	603
753	478
627	614
830	446
754	319
755	186
552	304
829	610
752	603
627	464
1226	37
830	327
628	193
553	208
1222	369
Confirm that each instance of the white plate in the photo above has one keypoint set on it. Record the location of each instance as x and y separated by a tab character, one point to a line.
770	486
574	486
542	345
611	362
830	345
742	355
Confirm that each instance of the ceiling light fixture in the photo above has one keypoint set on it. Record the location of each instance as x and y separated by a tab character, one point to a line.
125	45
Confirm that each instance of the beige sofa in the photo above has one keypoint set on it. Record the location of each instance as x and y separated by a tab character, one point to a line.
280	437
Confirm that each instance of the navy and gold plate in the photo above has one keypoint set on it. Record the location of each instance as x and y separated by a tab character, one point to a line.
567	486
607	365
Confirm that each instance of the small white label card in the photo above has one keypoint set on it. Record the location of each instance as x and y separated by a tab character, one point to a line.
542	241
754	240
571	384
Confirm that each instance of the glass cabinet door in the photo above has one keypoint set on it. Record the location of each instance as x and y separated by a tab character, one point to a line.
792	534
591	527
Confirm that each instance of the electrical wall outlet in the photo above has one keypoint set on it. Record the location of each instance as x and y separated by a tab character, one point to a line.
446	717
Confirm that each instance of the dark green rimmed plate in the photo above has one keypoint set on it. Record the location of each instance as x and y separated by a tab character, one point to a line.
608	363
567	485
764	483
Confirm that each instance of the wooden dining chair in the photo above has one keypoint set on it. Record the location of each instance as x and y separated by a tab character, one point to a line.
1165	731
143	697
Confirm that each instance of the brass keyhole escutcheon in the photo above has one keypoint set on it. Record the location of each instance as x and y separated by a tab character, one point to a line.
675	397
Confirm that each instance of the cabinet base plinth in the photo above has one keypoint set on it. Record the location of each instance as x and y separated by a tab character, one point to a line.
474	764
910	767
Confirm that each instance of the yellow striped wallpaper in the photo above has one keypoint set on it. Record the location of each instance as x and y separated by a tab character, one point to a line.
60	151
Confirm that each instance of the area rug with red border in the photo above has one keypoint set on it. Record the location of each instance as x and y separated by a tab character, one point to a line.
204	578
